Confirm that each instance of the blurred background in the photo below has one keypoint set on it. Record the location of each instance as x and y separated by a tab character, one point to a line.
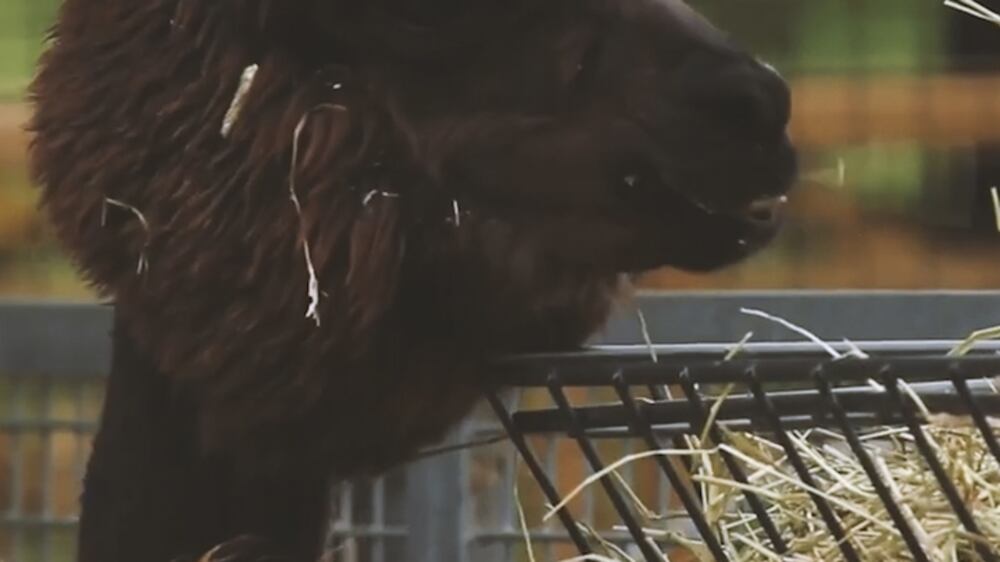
896	112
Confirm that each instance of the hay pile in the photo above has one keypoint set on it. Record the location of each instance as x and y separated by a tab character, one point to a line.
843	483
840	480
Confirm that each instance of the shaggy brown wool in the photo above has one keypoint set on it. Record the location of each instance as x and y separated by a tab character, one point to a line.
221	304
472	179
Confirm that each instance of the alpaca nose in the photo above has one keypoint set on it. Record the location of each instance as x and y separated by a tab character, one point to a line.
748	96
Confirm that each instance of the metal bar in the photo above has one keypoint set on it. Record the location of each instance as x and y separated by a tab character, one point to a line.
857	447
962	387
371	531
27	329
517	438
47	425
688	500
649	552
627	472
16	512
545	536
773	371
686	428
378	519
508	516
552	466
661	393
699	421
668	353
331	543
825	511
80	437
891	383
434	489
940	397
58	339
34	521
48	469
589	499
345	524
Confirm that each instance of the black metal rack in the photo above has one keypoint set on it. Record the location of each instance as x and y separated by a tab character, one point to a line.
779	387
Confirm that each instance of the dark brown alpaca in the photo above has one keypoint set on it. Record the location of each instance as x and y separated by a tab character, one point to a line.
471	178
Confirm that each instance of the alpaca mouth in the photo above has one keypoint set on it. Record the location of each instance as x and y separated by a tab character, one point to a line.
765	211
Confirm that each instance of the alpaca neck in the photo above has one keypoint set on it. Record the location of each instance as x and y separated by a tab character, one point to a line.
151	495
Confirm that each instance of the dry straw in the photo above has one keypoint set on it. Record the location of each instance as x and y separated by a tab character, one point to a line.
143	264
974	9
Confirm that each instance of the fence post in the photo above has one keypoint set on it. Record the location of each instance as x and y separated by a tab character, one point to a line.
435	508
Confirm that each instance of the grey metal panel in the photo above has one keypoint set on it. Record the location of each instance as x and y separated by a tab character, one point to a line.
57	339
67	339
691	317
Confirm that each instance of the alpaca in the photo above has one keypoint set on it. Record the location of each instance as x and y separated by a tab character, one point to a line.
319	221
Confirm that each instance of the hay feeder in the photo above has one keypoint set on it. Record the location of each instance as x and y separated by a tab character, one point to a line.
782	452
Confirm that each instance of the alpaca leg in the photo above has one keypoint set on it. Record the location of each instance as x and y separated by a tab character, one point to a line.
150	495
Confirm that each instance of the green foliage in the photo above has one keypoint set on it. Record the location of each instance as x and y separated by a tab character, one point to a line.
883	35
890	174
22	30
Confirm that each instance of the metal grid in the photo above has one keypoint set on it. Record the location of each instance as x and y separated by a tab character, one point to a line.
53	357
369	522
45	436
510	516
46	425
828	393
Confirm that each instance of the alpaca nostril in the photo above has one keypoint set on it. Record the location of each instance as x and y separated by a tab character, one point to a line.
746	105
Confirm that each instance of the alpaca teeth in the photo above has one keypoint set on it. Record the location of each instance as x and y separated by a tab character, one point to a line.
767	203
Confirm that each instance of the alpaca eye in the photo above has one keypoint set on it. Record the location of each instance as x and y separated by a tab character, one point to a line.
588	64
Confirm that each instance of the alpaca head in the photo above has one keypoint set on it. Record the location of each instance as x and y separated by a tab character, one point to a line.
616	136
599	136
468	176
